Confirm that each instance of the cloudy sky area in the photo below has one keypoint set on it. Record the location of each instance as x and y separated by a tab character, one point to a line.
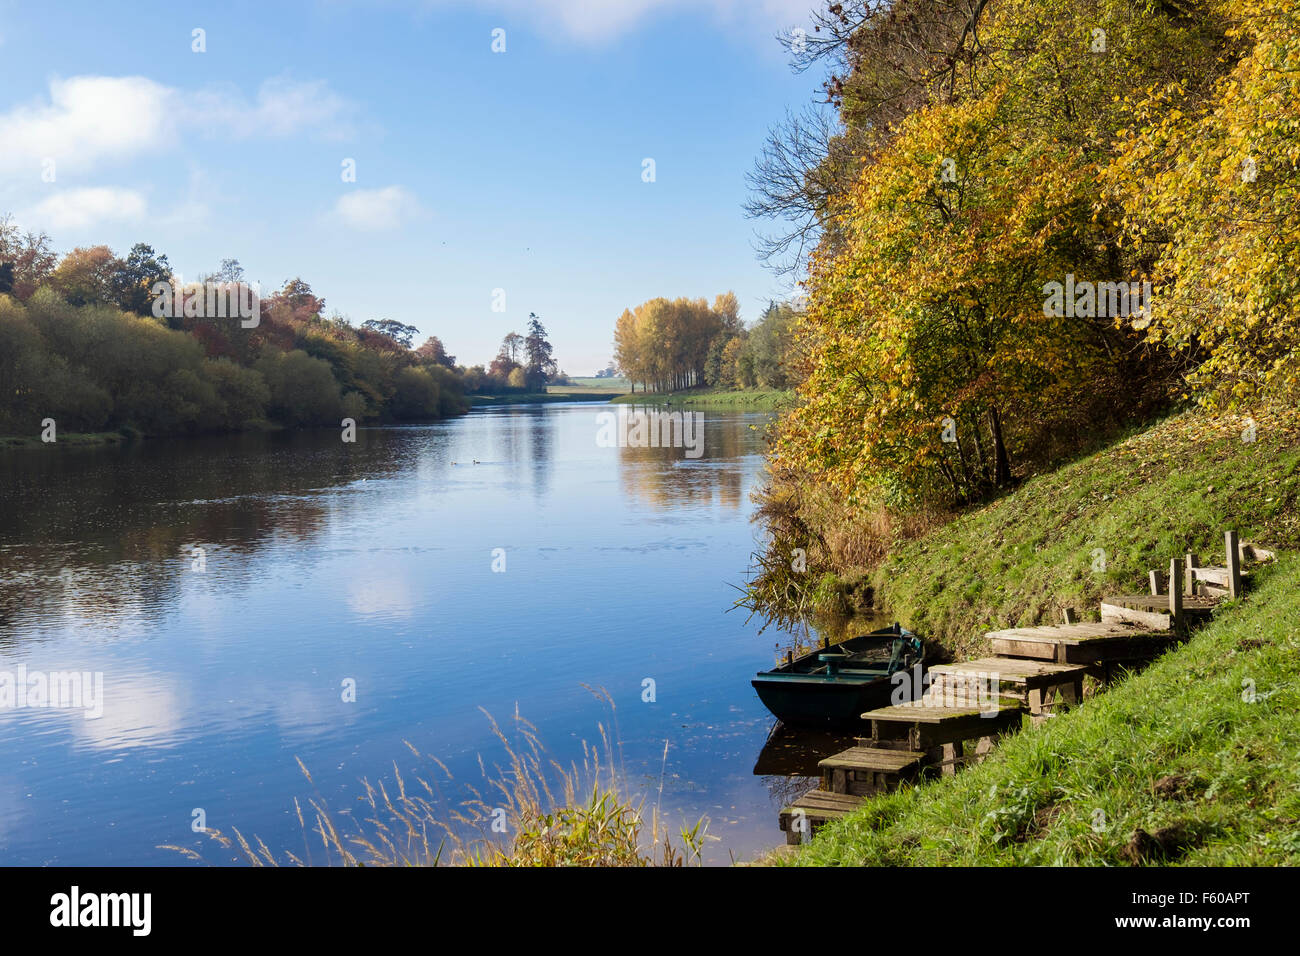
474	170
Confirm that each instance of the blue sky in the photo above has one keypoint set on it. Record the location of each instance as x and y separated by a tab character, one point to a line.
475	170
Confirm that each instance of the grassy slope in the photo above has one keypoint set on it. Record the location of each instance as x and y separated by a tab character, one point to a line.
1035	800
542	398
750	399
1174	488
66	440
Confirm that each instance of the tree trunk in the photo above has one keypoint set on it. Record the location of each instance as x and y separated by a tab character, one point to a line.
1001	463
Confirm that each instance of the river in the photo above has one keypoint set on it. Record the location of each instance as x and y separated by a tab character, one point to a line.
253	599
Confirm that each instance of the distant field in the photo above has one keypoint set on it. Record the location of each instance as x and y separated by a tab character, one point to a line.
751	399
591	385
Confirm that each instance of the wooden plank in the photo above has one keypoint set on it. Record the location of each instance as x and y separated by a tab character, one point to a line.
1154	577
1218	576
918	711
872	758
1234	564
1253	552
815	800
1009	670
1152	620
1066	633
1175	594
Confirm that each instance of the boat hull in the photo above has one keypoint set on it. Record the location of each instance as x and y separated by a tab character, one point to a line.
811	701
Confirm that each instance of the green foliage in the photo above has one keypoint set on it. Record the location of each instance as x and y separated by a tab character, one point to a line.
79	344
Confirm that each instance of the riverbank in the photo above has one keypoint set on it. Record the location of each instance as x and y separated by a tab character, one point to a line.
1175	750
536	398
751	399
68	440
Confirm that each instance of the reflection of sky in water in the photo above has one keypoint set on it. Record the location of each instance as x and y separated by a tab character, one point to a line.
372	562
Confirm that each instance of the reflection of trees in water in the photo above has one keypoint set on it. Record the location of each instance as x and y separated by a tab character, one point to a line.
517	426
784	791
134	513
665	477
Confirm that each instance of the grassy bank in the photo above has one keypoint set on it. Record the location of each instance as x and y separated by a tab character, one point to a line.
749	400
534	398
1175	751
1176	764
68	440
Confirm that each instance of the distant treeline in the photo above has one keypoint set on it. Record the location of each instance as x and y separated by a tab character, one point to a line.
79	343
666	345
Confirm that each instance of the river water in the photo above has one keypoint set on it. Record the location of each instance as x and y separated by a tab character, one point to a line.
348	598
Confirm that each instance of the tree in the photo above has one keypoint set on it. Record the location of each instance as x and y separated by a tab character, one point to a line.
1210	196
539	365
135	277
86	275
29	257
399	333
432	350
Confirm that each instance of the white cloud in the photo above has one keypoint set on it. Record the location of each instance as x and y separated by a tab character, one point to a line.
282	107
138	712
88	120
376	209
81	208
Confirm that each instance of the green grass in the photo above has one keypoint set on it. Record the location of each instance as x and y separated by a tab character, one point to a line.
533	398
616	386
1174	751
65	440
1142	501
750	399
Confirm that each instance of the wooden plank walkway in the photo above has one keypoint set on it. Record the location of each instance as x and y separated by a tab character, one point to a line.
1040	686
864	771
814	810
1087	643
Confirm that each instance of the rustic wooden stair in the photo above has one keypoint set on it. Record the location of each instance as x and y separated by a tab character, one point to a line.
865	771
815	809
1040	686
1036	671
922	726
1085	643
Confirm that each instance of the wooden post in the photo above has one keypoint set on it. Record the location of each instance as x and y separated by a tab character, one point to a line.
1069	616
1175	596
1155	582
1189	581
1234	564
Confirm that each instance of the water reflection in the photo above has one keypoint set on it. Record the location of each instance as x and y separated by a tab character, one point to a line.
371	562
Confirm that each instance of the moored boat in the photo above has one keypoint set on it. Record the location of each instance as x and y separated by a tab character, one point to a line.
833	686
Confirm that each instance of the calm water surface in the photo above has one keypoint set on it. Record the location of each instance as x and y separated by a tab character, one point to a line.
373	562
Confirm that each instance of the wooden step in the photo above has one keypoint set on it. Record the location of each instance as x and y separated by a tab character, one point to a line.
1151	611
817	807
1040	686
1010	670
866	771
921	726
1087	643
872	758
